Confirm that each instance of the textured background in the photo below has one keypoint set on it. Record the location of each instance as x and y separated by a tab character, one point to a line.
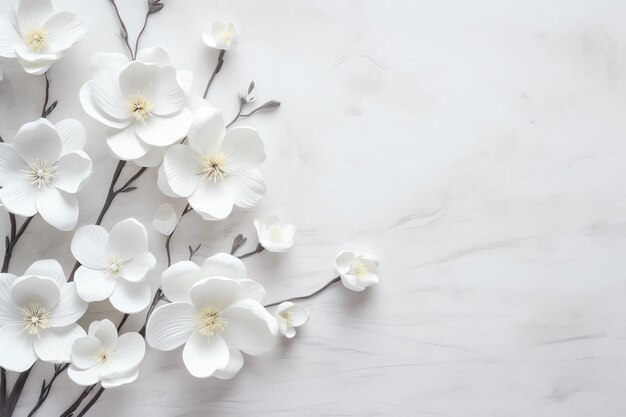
476	147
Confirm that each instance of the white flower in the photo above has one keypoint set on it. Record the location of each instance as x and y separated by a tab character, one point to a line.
290	315
103	357
40	37
215	312
356	272
274	236
223	36
217	169
38	314
43	169
145	100
165	219
114	265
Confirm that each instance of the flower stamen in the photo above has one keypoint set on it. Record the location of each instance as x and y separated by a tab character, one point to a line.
213	166
288	316
140	107
41	173
35	317
116	265
227	37
211	322
360	270
36	40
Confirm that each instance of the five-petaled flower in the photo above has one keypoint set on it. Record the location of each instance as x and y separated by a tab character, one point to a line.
218	168
40	37
38	314
216	313
103	356
223	36
43	169
273	235
290	315
357	272
144	100
114	265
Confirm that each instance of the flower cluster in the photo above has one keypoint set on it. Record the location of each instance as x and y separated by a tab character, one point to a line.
212	310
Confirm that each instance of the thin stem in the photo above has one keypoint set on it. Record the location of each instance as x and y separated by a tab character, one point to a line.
8	253
304	297
92	402
70	410
124	32
124	318
258	249
242	103
9	406
145	23
44	109
45	388
3	388
218	67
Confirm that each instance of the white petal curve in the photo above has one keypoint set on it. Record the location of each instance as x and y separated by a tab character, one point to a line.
155	55
245	146
16	345
106	332
31	14
11	164
64	30
165	219
130	297
55	344
126	145
165	130
90	107
93	285
69	308
235	362
182	169
178	279
204	355
212	200
83	353
8	38
251	328
247	185
171	325
85	377
58	208
38	140
215	292
34	289
74	169
224	265
49	268
89	246
128	239
73	135
20	197
207	130
137	268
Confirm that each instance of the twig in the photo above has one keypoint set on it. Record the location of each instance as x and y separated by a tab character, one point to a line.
270	105
124	31
258	249
45	388
145	23
124	318
9	406
218	67
70	410
8	253
304	297
92	402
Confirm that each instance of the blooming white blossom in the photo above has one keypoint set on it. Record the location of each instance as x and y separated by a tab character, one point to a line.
290	315
43	169
40	37
145	100
356	272
103	356
38	314
223	35
217	168
216	313
114	265
273	235
165	219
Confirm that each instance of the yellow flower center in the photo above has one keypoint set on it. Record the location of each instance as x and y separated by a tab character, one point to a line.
103	355
140	107
41	173
277	232
288	316
35	318
360	270
211	322
36	40
115	266
227	37
213	166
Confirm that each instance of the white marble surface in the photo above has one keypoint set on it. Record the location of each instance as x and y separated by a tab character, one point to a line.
476	147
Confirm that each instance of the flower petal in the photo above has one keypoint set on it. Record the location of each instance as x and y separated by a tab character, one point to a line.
251	328
38	140
108	97
120	379
129	352
74	169
247	185
20	197
224	265
212	200
93	285
165	219
58	208
126	145
245	146
128	239
252	290
8	38
85	377
11	164
89	246
299	315
73	135
164	130
49	268
106	332
158	84
171	325
135	270
178	279
64	30
130	297
163	184
351	282
152	158
55	344
88	101
343	262
17	349
207	130
204	355
69	308
9	312
215	292
182	168
235	362
155	55
32	13
83	353
34	289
